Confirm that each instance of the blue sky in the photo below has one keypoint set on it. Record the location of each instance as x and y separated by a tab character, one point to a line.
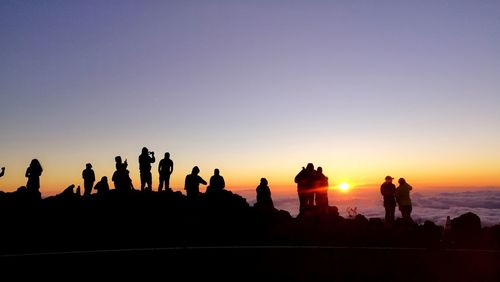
256	88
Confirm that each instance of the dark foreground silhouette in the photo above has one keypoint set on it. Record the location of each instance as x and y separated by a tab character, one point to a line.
142	231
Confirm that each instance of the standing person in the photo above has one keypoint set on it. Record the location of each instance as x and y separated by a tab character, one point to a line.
121	177
88	176
217	183
321	189
192	183
3	172
165	169
306	180
264	199
388	190
145	162
33	173
403	199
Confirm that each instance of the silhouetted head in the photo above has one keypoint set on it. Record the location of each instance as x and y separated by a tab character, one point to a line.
118	159
216	171
310	166
35	164
104	179
144	150
195	170
388	178
167	155
263	181
320	169
401	181
88	165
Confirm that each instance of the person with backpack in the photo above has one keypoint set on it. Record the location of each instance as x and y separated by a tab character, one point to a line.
403	199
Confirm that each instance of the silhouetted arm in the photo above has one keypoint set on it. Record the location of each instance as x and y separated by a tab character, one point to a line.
152	159
171	167
27	174
160	166
223	183
201	180
3	172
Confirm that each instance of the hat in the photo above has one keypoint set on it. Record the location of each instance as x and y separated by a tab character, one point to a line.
388	177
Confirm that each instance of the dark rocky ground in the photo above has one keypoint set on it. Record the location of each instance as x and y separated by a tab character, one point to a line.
220	236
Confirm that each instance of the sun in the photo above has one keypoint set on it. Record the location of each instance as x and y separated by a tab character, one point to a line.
344	186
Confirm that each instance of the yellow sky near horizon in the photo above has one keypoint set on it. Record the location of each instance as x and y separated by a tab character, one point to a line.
281	177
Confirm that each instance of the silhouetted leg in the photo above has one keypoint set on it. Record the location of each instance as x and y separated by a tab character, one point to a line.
310	198
160	185
88	189
167	182
325	197
302	201
143	181
149	181
389	213
406	213
392	211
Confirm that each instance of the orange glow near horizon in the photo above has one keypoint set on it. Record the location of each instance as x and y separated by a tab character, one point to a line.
244	173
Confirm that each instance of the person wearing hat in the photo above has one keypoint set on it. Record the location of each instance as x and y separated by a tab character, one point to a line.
403	199
88	176
388	191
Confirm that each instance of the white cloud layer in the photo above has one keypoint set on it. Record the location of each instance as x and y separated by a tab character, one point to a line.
427	205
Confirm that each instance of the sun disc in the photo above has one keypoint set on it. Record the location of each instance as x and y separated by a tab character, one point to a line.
344	186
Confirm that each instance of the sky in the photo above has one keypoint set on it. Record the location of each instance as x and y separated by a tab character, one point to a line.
257	89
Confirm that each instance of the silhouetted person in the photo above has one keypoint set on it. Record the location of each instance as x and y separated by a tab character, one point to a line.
88	176
264	199
2	172
119	164
388	190
192	183
403	199
321	190
33	174
145	162
306	181
102	187
121	177
165	169
217	183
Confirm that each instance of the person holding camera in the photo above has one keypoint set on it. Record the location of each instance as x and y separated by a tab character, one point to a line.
145	162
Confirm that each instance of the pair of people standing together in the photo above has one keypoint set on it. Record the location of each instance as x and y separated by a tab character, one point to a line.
399	195
165	169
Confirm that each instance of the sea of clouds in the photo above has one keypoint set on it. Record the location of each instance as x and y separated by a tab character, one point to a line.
427	205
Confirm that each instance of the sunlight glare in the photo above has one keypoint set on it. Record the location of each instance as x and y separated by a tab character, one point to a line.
344	186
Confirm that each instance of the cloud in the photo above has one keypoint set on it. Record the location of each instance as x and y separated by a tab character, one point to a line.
469	199
434	206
